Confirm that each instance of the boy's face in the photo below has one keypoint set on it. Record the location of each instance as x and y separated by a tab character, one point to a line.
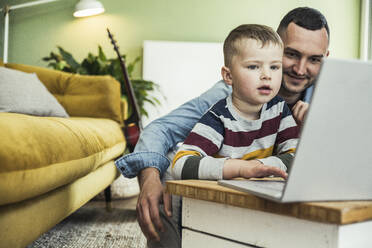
255	73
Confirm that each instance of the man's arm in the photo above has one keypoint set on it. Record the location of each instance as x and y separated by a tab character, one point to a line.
152	193
163	134
149	161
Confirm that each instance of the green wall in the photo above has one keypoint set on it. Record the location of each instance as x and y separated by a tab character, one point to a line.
36	31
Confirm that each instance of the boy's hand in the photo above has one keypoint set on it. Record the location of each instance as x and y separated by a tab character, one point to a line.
255	168
251	168
299	111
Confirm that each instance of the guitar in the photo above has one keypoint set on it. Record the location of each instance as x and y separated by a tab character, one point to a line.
133	125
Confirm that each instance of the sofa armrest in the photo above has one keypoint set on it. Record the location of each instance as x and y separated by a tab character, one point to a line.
81	95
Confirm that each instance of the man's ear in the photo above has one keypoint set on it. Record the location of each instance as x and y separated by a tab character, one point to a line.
226	75
327	54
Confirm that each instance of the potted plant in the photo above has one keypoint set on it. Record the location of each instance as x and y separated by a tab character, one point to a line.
101	65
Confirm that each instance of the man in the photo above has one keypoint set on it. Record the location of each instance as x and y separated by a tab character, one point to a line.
306	44
305	35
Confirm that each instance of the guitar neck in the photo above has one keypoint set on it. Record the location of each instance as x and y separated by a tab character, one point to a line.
136	115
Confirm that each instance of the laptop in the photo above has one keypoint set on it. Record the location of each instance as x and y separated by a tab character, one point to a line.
333	160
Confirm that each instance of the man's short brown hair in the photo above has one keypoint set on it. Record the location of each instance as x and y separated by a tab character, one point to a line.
261	33
305	17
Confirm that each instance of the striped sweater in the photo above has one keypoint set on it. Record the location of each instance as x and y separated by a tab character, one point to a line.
222	133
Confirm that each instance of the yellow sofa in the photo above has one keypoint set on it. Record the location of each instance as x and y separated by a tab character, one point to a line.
51	166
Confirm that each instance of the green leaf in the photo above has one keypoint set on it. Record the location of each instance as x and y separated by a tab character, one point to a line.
69	59
53	65
131	66
101	65
46	58
101	54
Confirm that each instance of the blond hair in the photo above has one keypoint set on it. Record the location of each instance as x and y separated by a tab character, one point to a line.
261	33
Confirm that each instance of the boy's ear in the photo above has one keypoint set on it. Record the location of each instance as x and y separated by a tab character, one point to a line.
226	75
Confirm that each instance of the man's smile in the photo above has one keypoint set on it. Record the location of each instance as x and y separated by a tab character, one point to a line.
296	79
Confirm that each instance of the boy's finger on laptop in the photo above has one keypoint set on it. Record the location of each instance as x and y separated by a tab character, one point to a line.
262	171
274	171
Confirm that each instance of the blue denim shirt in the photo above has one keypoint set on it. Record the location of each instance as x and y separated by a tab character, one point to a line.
163	134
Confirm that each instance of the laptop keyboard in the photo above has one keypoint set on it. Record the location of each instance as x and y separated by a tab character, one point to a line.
269	188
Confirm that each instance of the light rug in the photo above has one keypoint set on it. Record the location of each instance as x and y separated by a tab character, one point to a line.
94	227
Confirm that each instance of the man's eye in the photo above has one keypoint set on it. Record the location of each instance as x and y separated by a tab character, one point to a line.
315	60
252	67
291	55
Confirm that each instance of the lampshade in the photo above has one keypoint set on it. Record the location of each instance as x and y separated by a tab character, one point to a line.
88	8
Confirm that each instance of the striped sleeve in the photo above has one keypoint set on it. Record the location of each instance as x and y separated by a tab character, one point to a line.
194	158
286	141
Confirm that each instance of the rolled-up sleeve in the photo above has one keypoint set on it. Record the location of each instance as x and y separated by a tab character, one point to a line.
163	134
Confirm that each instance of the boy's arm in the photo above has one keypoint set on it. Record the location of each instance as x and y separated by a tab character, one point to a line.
285	143
250	168
194	158
163	134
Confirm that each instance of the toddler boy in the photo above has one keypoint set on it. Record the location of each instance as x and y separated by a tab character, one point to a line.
251	133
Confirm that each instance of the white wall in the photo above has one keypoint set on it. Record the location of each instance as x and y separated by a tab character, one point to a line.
183	70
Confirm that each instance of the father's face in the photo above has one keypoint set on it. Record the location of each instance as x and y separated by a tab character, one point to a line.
304	51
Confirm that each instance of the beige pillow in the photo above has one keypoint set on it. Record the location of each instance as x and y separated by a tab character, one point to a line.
23	93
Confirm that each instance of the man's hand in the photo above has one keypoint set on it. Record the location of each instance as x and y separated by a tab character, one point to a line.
299	111
251	168
151	195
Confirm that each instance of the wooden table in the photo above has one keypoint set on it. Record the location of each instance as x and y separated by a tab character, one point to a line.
216	216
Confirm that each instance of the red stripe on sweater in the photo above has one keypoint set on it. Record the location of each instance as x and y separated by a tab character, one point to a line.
205	144
287	134
239	139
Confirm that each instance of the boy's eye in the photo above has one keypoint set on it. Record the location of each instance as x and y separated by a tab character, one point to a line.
252	67
275	67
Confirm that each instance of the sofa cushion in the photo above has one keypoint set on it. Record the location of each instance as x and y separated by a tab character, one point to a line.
80	95
22	92
39	154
